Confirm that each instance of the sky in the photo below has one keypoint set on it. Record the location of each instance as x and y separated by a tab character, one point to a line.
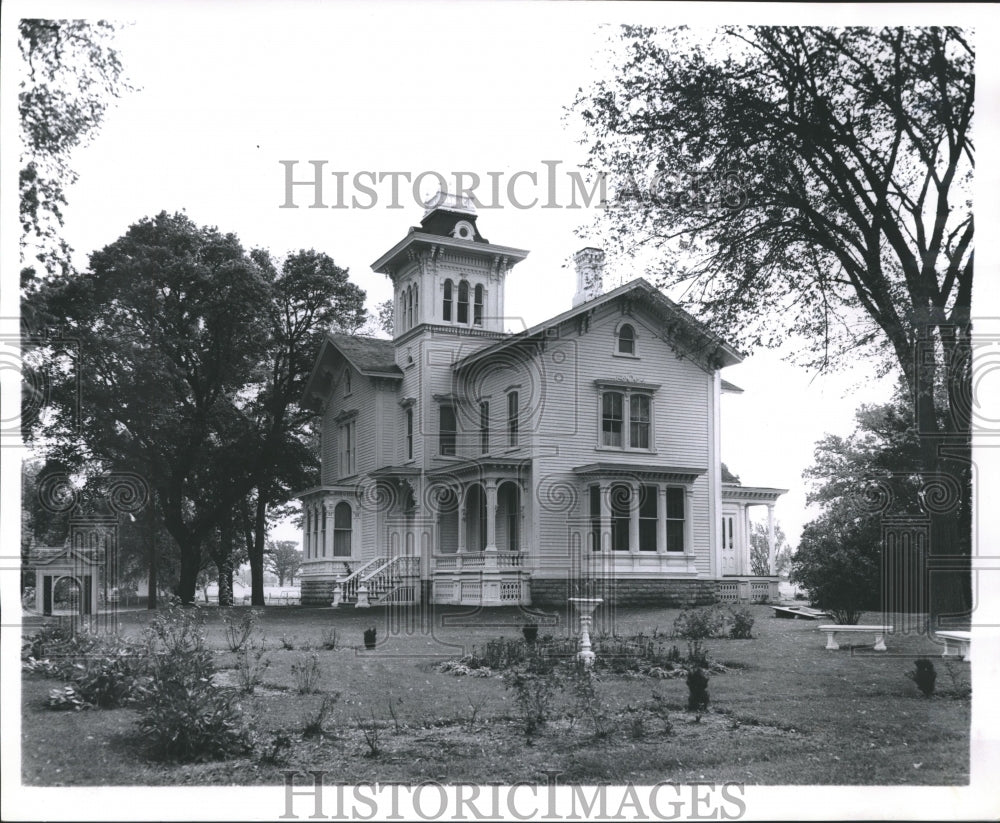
225	91
425	90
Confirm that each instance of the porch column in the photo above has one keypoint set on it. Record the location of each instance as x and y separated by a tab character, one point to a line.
305	531
688	520
605	488
770	540
661	518
491	515
461	527
328	529
633	518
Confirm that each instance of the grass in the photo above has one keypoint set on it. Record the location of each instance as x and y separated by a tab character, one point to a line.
787	711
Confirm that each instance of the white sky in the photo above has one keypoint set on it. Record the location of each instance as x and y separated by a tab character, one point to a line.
228	89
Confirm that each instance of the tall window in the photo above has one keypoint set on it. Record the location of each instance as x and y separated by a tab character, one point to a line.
322	531
484	427
477	308
416	303
446	306
675	520
347	449
647	519
513	424
621	503
463	301
612	405
409	434
347	382
447	430
638	416
626	339
595	518
409	307
619	406
342	530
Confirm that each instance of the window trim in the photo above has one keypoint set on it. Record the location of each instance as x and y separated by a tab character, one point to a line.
448	299
461	303
627	391
347	447
513	419
478	302
443	436
484	426
408	441
339	530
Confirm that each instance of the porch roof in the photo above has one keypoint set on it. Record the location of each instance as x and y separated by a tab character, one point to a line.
750	494
480	466
396	471
640	471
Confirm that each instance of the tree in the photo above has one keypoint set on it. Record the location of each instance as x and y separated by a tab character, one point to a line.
814	183
284	559
759	550
310	297
168	328
70	75
855	480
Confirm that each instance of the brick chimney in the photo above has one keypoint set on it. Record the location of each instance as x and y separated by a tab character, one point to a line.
589	274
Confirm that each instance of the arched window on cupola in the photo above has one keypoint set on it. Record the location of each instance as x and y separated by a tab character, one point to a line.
477	309
409	307
463	302
416	304
446	306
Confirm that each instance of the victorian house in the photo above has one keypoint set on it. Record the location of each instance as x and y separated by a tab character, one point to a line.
463	464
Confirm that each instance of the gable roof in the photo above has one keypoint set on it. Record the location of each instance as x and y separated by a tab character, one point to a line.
369	356
683	328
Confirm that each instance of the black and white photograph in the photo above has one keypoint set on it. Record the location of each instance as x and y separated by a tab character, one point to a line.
499	410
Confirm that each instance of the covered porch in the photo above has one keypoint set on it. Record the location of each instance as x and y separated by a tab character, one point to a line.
743	578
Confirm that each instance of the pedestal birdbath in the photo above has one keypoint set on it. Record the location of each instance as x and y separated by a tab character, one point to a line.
585	607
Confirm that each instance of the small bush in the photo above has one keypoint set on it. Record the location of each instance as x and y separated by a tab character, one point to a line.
67	698
186	716
741	623
924	676
330	640
534	686
239	624
115	673
313	722
587	702
250	666
697	683
306	672
699	624
370	638
370	730
658	708
276	750
288	644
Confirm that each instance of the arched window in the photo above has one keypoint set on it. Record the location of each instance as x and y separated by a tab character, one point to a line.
347	382
446	306
409	434
626	339
477	310
342	530
612	415
401	314
416	303
463	301
409	307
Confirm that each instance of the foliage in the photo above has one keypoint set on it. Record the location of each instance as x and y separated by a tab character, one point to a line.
283	559
240	624
827	172
759	550
312	723
699	624
330	640
370	637
370	730
250	666
658	707
697	683
307	673
741	627
67	698
69	76
586	700
923	675
534	684
187	717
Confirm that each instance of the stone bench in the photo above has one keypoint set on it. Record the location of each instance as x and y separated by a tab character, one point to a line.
956	643
879	632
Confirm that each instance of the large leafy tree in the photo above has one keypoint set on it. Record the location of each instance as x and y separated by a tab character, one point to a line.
284	559
843	553
813	183
70	74
168	334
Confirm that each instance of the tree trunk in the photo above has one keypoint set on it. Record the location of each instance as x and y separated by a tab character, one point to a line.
257	550
224	563
190	566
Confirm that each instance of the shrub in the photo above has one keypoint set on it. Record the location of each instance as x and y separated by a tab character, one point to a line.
658	708
697	683
67	698
330	640
187	717
312	723
587	701
250	666
370	638
239	624
534	685
114	673
699	624
924	676
307	673
370	730
741	623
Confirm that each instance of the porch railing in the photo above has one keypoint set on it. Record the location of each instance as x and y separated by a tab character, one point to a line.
349	585
386	577
477	560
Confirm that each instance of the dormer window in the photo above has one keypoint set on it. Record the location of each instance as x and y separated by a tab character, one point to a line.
463	230
463	302
446	305
626	339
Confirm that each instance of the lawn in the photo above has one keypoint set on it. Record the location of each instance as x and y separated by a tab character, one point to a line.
784	711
